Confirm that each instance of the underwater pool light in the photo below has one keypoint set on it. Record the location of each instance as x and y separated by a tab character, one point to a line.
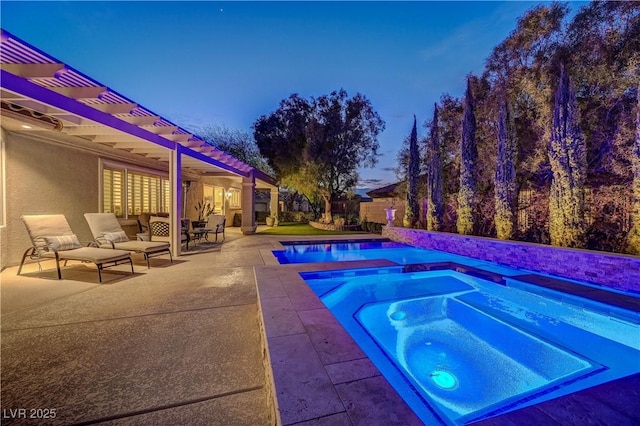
398	315
444	379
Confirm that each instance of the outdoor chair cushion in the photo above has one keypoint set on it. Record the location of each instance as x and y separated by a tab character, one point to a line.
62	242
142	246
116	237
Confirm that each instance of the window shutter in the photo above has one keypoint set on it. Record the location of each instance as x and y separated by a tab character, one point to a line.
112	192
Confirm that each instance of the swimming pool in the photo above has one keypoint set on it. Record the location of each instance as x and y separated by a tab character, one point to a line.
402	254
459	348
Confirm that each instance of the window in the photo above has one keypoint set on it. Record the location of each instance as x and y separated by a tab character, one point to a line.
112	199
234	198
129	192
214	195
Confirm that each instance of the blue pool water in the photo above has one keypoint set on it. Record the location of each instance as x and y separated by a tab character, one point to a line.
459	348
399	253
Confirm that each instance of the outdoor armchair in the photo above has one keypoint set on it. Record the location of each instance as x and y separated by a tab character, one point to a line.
109	234
216	224
52	238
159	228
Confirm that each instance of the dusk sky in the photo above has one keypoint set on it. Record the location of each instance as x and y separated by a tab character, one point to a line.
227	63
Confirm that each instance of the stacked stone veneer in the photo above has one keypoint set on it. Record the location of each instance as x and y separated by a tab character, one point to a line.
617	271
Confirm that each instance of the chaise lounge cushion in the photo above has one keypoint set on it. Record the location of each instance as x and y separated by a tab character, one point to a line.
90	254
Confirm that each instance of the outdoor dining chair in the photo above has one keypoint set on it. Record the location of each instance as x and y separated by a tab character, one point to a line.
159	228
215	225
52	238
109	234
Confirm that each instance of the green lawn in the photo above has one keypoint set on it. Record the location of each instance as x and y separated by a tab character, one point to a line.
294	228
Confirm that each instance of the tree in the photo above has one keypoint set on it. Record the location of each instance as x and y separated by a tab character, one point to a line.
413	208
468	150
634	234
237	143
505	178
519	70
321	142
434	176
567	156
281	136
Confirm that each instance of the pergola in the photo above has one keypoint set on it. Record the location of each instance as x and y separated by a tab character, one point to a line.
40	92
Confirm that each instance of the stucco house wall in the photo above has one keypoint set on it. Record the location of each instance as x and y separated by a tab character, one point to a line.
45	178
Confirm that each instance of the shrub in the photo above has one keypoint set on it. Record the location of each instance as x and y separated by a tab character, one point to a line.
301	217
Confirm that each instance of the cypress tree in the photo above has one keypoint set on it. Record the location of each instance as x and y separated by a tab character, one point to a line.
434	176
634	234
505	178
567	156
467	198
413	208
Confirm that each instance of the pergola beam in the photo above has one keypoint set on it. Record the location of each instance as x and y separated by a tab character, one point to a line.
87	92
33	70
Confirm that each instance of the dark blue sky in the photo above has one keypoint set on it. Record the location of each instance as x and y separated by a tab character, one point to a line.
227	63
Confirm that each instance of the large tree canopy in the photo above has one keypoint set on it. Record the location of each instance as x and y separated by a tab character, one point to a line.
318	145
238	143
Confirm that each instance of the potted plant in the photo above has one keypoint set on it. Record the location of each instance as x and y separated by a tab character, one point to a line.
204	210
272	220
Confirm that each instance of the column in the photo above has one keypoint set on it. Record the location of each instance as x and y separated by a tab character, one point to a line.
248	205
273	204
175	210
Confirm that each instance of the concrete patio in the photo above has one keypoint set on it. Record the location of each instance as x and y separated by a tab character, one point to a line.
175	344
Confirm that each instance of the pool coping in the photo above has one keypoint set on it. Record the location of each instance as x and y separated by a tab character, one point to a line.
321	376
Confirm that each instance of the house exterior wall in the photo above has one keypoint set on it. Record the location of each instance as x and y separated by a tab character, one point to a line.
45	178
617	271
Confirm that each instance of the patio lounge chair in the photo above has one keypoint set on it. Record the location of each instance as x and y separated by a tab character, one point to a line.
216	224
109	234
52	238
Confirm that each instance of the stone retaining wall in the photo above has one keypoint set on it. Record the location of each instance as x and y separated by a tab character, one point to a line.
333	226
617	271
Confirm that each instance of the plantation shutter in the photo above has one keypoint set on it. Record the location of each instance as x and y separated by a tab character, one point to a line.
113	187
166	195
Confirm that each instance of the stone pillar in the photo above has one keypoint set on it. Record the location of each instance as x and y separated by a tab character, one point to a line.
248	205
273	204
175	209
